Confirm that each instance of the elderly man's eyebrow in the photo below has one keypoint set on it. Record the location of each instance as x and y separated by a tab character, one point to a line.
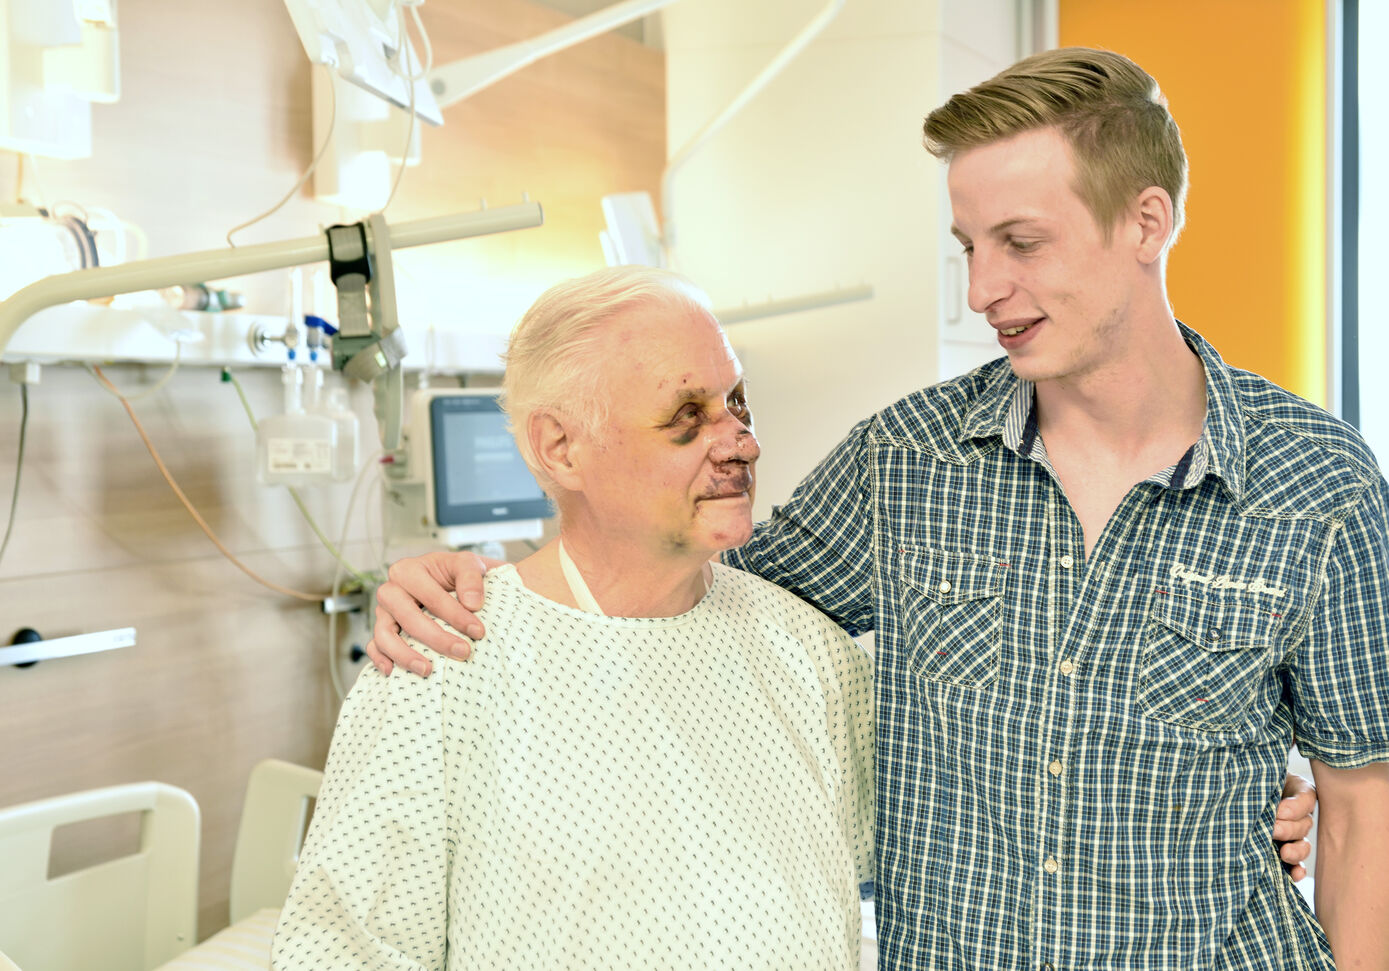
683	395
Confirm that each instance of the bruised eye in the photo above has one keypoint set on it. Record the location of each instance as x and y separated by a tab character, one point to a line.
686	413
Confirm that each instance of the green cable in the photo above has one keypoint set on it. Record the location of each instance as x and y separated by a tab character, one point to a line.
362	578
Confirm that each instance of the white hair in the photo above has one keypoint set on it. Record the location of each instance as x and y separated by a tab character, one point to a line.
552	359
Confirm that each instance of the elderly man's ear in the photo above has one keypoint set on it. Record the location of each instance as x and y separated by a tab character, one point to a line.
556	451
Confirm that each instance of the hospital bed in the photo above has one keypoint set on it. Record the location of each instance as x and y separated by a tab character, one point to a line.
139	912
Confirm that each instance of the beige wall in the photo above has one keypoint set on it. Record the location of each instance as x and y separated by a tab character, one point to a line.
820	182
212	127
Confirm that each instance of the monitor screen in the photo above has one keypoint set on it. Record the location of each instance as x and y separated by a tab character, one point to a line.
479	475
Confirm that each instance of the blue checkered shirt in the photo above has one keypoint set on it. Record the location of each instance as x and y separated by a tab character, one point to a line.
1079	761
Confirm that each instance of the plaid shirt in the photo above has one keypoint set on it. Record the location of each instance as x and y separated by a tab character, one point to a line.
1079	762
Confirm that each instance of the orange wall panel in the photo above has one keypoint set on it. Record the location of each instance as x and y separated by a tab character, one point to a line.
1246	81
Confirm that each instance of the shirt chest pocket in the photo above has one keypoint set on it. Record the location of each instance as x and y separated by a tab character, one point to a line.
952	612
1206	662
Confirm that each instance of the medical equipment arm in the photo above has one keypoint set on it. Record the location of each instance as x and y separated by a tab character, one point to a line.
221	263
461	79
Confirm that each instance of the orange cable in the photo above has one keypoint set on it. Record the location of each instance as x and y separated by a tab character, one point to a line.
154	454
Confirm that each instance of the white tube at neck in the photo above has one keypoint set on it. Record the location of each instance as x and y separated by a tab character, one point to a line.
578	588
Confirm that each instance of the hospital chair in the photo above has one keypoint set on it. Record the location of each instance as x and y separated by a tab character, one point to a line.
127	914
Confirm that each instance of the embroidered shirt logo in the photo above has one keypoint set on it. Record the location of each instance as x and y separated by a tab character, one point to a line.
1223	581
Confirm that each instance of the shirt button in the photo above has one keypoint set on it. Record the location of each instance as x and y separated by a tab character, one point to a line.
1055	767
1067	562
1048	967
1051	866
1067	667
1213	634
945	586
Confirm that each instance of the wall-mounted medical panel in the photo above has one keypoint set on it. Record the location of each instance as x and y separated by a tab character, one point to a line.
91	333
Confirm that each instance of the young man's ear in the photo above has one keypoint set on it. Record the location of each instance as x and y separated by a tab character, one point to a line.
1154	221
556	450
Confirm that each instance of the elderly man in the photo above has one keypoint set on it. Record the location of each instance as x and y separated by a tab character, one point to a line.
652	761
1112	580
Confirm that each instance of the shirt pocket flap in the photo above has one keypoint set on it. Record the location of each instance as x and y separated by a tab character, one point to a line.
952	616
952	578
1217	625
1207	664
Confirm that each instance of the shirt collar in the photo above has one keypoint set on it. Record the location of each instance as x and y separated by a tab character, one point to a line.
1223	430
1004	409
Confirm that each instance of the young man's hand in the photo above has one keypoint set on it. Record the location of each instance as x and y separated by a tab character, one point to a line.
422	583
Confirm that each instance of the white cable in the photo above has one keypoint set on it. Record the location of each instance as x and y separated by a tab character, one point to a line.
424	42
409	80
380	506
334	675
327	140
152	389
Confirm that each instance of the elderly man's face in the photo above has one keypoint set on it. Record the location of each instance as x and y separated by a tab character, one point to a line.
673	469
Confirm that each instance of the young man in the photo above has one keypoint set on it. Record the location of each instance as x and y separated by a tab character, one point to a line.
595	790
1112	579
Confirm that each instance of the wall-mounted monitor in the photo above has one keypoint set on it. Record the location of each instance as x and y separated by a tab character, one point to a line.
477	487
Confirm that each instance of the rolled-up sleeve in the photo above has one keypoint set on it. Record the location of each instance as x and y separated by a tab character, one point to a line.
371	889
1341	668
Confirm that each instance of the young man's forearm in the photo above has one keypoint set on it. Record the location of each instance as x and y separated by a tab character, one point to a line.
1352	889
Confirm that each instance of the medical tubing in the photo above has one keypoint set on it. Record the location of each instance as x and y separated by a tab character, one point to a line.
202	524
333	674
428	66
424	40
157	386
18	466
327	140
294	493
410	126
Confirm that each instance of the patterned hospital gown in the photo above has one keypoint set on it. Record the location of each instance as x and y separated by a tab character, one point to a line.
598	792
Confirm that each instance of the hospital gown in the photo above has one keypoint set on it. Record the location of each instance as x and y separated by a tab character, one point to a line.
597	792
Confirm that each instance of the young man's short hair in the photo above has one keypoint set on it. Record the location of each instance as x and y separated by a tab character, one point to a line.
1110	111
